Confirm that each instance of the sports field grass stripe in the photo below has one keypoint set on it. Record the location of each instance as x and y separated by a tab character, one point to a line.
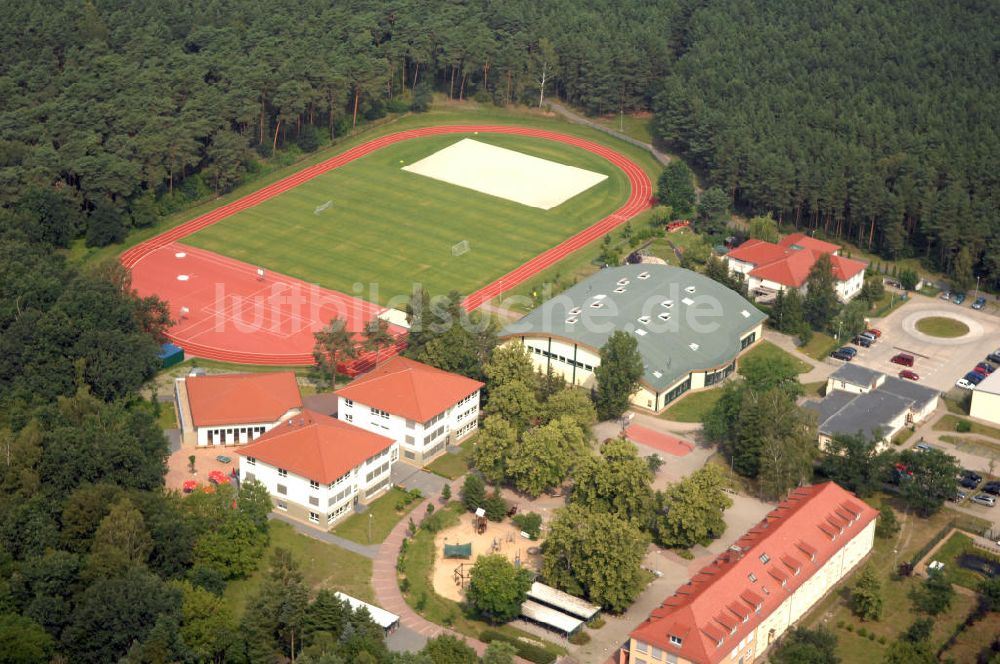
639	199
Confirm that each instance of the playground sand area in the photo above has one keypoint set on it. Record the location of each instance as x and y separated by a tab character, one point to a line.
506	537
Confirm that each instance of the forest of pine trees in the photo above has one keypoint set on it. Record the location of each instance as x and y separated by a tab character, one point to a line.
868	121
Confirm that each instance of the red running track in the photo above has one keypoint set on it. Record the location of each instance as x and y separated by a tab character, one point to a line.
222	340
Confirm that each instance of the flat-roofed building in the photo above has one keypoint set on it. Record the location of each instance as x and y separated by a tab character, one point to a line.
735	607
689	329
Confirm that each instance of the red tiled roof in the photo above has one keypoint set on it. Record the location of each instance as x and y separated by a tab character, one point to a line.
797	533
316	447
845	268
241	398
791	271
758	252
788	262
409	389
811	243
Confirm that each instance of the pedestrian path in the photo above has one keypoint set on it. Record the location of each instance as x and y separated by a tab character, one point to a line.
390	597
368	551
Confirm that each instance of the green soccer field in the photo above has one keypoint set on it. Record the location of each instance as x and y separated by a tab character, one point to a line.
388	229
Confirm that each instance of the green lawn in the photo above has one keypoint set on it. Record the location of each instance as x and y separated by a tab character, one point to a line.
948	422
453	466
692	407
381	513
820	346
973	644
980	447
637	127
388	228
770	352
942	326
322	566
817	389
954	547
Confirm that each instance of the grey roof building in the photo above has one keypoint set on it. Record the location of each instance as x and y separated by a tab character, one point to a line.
683	321
862	400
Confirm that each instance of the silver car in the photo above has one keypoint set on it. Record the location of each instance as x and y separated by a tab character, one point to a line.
984	499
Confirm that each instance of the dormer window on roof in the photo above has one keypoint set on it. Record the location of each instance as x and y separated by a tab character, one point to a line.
643	275
596	305
645	319
764	558
571	319
664	316
666	304
676	640
575	311
689	289
752	577
623	282
620	289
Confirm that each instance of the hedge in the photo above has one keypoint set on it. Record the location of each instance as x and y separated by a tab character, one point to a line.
528	651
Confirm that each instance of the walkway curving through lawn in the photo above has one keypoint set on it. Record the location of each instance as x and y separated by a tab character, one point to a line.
323	536
390	597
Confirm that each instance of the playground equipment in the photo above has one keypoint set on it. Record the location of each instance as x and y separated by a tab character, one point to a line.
461	575
458	550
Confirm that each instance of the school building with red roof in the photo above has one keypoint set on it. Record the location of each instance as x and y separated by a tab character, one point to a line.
419	406
735	607
769	267
230	409
317	468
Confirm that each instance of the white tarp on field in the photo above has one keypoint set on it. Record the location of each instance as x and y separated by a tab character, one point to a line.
506	174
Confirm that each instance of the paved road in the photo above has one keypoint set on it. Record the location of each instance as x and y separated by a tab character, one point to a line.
322	536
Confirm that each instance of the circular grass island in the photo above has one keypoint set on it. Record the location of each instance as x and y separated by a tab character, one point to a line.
942	326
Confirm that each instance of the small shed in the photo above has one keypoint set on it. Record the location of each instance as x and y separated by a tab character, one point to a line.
562	601
170	355
384	619
550	618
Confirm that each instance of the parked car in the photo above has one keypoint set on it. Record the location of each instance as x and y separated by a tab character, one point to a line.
994	356
875	332
992	487
975	378
972	475
851	351
979	303
864	342
868	335
986	367
964	384
909	375
959	497
902	358
979	370
922	447
222	458
959	298
983	499
841	354
946	295
969	483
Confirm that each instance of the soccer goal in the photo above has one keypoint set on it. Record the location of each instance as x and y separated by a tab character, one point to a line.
323	207
460	248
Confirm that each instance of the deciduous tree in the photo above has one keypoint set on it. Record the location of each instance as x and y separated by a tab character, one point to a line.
866	595
618	374
497	589
546	455
582	547
617	481
691	511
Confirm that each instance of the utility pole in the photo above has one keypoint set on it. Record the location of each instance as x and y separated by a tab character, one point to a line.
370	518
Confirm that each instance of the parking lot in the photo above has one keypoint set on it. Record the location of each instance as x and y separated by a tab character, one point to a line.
939	362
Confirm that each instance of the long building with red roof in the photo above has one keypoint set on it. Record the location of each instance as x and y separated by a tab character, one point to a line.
230	409
317	468
770	267
735	607
419	406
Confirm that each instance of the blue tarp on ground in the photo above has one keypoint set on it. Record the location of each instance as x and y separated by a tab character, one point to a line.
170	355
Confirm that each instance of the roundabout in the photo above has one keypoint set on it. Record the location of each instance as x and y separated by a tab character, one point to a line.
942	327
